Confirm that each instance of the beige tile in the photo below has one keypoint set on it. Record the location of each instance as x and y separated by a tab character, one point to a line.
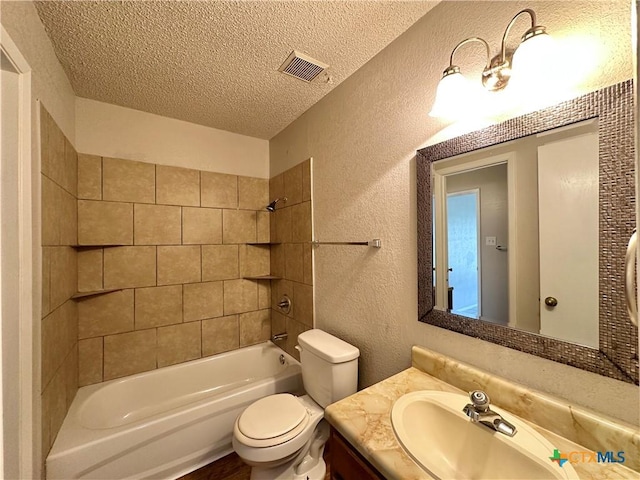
51	209
203	300
253	193
90	359
179	265
218	190
294	329
306	180
276	187
59	159
90	270
278	323
304	304
89	177
277	260
105	314
263	220
239	226
129	353
70	169
220	335
280	288
264	294
293	185
293	255
59	215
128	181
46	281
157	306
105	223
201	225
70	372
68	218
179	343
64	275
220	262
240	296
59	335
177	186
157	225
254	260
51	146
282	222
128	267
55	398
307	263
255	327
45	416
301	222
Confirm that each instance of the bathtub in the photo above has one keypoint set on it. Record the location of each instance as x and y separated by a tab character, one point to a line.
166	422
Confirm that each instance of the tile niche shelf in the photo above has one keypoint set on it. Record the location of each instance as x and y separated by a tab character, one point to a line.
262	277
81	295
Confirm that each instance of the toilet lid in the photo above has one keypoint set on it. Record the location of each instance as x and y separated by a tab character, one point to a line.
271	417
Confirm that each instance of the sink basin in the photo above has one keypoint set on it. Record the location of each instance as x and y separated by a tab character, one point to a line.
434	431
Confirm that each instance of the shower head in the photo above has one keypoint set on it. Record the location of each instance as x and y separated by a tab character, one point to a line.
272	206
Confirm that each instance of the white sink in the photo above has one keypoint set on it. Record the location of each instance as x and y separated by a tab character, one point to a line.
432	428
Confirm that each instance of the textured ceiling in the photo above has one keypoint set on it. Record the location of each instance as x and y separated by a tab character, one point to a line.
215	62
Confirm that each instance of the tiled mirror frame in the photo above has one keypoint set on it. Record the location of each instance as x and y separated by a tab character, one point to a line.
617	355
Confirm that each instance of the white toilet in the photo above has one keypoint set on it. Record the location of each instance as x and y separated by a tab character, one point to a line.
282	436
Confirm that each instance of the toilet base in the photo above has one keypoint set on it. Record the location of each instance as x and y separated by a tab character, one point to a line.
308	465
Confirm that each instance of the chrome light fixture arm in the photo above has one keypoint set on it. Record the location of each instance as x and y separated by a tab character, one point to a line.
455	69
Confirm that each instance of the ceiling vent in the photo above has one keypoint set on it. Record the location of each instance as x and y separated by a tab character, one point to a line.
302	66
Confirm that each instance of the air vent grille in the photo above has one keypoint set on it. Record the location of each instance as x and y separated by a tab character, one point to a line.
302	66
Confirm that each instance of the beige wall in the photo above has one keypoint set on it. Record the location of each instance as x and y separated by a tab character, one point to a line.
180	247
363	137
59	278
113	131
292	253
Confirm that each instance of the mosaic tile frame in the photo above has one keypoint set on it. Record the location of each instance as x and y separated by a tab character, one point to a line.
617	355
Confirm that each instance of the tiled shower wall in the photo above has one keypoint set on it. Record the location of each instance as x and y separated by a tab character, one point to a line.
176	244
291	253
59	328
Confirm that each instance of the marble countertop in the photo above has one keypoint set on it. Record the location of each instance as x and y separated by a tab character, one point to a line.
364	419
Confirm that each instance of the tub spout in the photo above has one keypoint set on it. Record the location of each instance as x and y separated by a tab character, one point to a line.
279	337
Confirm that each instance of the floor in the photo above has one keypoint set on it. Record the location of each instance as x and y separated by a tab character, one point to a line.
232	468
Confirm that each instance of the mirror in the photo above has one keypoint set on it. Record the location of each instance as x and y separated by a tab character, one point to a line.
516	233
516	248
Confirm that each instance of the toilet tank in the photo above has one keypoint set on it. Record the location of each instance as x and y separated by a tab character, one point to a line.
329	366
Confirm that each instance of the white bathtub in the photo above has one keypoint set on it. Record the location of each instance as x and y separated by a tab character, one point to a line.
167	422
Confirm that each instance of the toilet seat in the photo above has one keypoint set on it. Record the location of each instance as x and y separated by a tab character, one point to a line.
271	421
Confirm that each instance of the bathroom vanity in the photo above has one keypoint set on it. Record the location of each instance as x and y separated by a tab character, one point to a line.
363	444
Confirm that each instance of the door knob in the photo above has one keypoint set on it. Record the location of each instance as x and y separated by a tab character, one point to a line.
551	301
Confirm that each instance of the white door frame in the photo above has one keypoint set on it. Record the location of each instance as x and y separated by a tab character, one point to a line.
457	164
28	446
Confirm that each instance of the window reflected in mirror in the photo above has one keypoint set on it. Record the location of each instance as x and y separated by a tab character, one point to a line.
515	233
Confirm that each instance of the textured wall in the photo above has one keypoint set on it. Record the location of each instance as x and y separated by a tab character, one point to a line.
182	242
363	138
59	278
118	132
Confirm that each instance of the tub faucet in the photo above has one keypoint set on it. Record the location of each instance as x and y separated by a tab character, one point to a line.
279	336
479	411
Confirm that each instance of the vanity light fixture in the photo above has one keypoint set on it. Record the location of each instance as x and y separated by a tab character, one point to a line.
455	93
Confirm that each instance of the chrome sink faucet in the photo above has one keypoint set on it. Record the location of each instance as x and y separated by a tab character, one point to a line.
479	411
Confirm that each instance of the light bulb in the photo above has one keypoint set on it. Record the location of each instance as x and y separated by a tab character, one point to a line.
453	97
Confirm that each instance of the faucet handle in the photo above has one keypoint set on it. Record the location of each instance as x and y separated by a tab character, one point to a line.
480	400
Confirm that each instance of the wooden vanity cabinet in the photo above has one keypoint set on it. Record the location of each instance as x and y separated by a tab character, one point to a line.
346	463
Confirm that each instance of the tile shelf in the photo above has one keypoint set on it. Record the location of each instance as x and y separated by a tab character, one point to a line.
95	247
262	277
264	243
80	295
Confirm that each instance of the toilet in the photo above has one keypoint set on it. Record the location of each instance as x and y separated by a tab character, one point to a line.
282	436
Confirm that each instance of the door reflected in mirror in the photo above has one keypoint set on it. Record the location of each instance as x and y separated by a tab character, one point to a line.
515	231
